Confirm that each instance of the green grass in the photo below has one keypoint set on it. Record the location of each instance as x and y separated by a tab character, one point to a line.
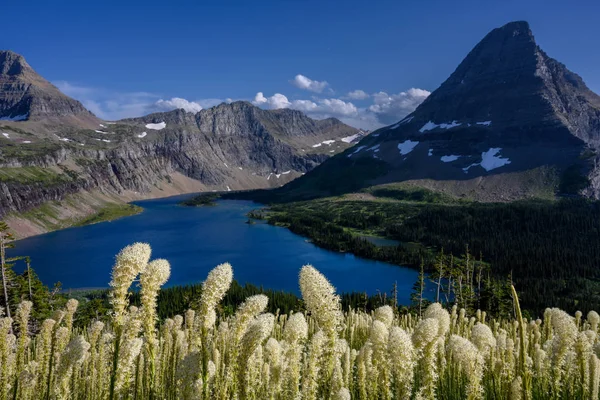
46	216
110	213
31	175
403	192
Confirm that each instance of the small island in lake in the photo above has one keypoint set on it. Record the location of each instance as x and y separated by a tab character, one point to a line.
204	199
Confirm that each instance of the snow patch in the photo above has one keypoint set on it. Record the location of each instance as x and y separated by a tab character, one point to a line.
327	142
269	177
106	140
27	141
228	188
285	173
449	158
102	126
332	151
485	123
65	139
466	169
430	125
430	153
404	121
15	118
226	166
97	131
359	148
141	135
491	160
350	139
157	127
6	135
407	146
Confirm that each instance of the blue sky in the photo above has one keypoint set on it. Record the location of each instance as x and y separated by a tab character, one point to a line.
128	58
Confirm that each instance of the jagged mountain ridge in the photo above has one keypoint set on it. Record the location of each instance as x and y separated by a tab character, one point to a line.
510	122
60	151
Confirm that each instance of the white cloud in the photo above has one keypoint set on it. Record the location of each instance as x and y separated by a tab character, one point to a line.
177	102
394	107
274	102
357	95
259	99
108	104
320	109
338	107
306	106
328	107
385	109
306	83
113	105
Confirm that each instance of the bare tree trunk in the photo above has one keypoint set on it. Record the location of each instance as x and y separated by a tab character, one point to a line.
422	279
4	283
479	287
28	261
439	283
460	293
449	291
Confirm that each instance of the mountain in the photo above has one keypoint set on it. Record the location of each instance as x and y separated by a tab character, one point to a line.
509	123
25	95
59	163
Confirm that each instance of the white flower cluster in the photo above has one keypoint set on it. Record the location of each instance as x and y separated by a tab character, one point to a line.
317	352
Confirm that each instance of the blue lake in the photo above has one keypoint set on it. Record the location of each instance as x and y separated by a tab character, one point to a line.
196	239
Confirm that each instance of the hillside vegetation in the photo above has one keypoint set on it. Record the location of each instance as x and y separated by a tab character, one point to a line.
547	248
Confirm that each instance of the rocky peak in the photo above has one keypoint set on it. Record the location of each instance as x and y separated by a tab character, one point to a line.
508	80
25	95
12	64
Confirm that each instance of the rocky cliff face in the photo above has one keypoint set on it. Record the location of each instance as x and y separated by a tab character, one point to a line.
510	122
52	148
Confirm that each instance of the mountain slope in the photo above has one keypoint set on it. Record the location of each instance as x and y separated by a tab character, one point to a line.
509	123
55	156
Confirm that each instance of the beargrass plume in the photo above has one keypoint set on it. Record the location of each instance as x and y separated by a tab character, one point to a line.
319	352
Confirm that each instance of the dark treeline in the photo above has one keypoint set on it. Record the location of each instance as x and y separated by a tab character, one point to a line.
95	305
331	235
550	250
204	199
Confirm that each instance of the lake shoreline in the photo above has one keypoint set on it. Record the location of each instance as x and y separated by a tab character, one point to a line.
25	225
